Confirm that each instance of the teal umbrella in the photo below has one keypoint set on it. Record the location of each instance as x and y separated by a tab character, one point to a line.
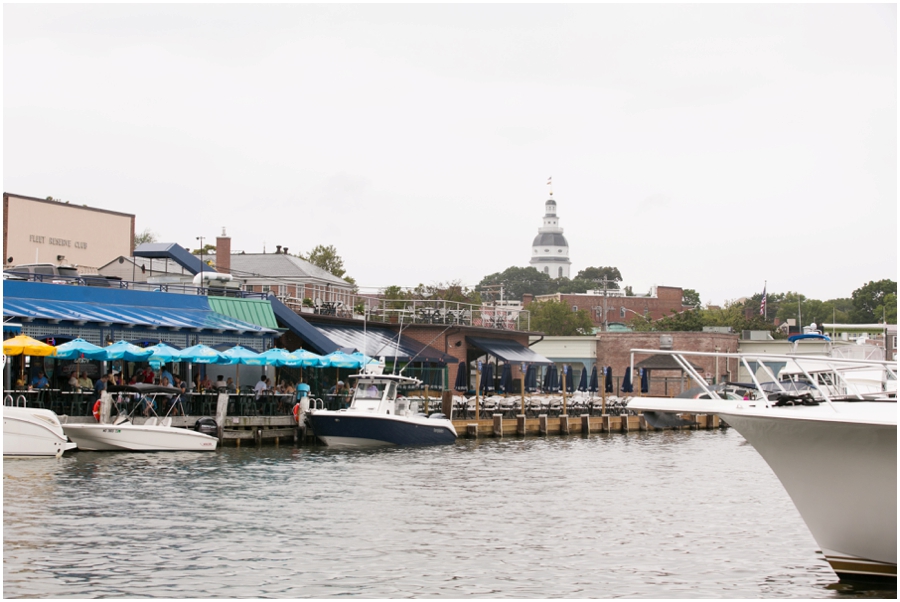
309	359
339	359
200	354
80	348
163	354
123	350
281	357
242	355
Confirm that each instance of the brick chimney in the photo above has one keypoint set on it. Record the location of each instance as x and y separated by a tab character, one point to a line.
527	298
223	253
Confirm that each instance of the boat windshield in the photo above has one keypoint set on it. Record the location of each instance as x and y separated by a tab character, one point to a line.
370	390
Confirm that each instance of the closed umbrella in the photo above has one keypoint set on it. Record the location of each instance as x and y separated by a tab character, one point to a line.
626	386
595	385
123	350
462	377
583	382
80	348
531	379
553	386
570	380
607	380
645	380
487	378
506	378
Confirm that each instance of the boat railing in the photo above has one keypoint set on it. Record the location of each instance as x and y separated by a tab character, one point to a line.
20	401
803	363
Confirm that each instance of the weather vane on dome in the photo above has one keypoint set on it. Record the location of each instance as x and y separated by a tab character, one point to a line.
550	184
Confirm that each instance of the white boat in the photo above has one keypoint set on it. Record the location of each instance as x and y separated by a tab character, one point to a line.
156	434
836	458
32	432
378	416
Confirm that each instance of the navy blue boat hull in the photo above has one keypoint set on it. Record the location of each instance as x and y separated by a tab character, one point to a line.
342	429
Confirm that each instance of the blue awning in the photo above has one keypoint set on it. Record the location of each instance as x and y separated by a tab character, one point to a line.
382	342
508	350
87	305
10	327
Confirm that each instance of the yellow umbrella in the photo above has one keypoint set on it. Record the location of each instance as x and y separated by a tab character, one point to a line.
25	345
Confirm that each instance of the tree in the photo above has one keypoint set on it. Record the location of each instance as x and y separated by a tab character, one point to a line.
519	281
556	318
327	259
207	249
146	236
446	291
593	274
870	302
690	297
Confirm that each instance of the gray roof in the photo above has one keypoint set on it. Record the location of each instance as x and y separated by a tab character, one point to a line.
549	239
279	265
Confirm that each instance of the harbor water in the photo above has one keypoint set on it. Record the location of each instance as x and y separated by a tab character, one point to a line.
687	514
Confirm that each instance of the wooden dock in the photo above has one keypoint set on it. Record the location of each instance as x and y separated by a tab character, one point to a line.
256	430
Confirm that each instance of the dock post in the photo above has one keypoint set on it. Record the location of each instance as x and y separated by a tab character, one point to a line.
604	423
472	430
498	425
520	425
542	425
624	418
585	424
257	437
563	424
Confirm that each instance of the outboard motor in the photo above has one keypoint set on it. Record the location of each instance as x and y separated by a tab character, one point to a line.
207	426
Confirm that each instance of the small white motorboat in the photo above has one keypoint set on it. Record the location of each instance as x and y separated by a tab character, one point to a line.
33	432
377	416
156	434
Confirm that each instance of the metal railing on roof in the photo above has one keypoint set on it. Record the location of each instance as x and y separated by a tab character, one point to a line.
372	309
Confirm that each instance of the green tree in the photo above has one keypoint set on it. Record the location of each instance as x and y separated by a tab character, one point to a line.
327	259
519	281
146	236
871	302
394	297
208	249
556	318
690	297
592	274
447	291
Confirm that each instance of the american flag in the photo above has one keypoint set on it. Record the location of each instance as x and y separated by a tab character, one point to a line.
762	303
549	180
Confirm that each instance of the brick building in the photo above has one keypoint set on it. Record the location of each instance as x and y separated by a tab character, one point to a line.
661	302
614	349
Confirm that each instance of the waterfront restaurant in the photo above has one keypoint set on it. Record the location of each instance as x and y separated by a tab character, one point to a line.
57	313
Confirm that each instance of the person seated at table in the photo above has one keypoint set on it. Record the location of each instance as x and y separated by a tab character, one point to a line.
148	405
20	383
115	377
85	382
261	387
40	381
100	385
338	389
73	381
206	384
289	388
229	385
134	378
149	377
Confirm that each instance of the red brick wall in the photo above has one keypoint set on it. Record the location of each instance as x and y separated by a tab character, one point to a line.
614	349
668	299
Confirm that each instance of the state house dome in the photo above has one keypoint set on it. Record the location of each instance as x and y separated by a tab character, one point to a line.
550	249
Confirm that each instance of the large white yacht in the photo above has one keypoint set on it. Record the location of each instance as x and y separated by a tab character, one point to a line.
833	446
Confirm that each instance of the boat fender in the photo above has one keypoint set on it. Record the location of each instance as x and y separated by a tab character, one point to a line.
97	411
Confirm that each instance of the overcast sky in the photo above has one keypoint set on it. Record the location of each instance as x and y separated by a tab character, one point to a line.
712	147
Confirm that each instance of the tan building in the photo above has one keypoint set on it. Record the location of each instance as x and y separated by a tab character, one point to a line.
42	231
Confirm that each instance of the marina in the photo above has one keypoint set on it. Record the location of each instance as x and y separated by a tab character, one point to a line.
642	515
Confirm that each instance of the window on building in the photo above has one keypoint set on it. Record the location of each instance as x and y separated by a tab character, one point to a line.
546	269
574	308
560	273
265	288
621	312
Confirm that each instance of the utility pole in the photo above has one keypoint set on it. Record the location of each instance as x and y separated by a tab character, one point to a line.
604	322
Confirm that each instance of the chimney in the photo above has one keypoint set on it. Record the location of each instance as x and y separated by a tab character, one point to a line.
223	253
527	298
278	249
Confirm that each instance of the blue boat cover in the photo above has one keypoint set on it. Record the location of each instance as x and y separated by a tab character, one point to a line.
508	350
116	306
